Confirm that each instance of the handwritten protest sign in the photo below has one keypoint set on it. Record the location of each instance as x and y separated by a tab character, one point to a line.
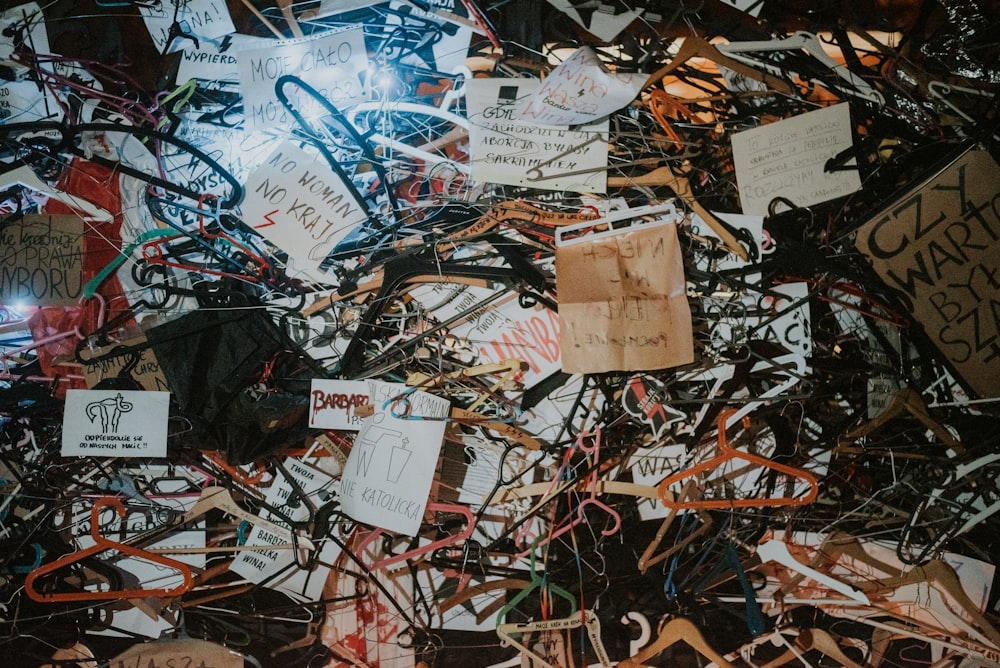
41	261
272	565
580	90
304	207
787	159
145	370
332	403
333	63
203	20
391	467
216	60
622	301
115	423
507	149
939	247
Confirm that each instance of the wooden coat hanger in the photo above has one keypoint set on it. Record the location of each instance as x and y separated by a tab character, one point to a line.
941	576
587	619
676	630
814	639
102	544
679	183
902	402
696	47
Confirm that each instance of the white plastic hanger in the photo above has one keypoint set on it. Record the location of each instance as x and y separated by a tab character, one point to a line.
26	177
808	42
777	551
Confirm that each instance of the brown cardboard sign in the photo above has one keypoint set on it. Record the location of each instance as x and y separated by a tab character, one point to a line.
939	246
41	261
622	301
145	370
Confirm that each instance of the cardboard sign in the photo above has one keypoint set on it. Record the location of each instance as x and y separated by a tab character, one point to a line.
333	63
299	203
332	403
939	247
580	90
203	20
622	301
391	467
788	158
146	371
41	261
506	149
115	423
175	653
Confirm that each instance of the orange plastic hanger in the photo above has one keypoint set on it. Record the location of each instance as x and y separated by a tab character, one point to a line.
102	544
727	454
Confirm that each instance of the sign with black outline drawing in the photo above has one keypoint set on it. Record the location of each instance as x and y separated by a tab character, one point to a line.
391	467
115	423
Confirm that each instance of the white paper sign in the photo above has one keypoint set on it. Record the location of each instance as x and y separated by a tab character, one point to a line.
446	54
299	203
276	567
332	403
115	423
787	159
25	22
217	60
22	101
579	90
505	149
332	63
391	467
203	20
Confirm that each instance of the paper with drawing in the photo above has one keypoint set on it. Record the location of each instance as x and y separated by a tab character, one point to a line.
391	467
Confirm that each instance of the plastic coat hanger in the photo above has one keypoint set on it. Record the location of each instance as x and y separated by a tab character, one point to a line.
102	544
536	582
676	630
586	619
777	551
463	535
727	454
25	176
808	42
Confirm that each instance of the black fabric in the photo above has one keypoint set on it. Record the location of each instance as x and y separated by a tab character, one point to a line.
214	362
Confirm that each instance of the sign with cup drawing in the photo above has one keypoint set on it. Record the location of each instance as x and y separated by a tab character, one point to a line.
115	423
